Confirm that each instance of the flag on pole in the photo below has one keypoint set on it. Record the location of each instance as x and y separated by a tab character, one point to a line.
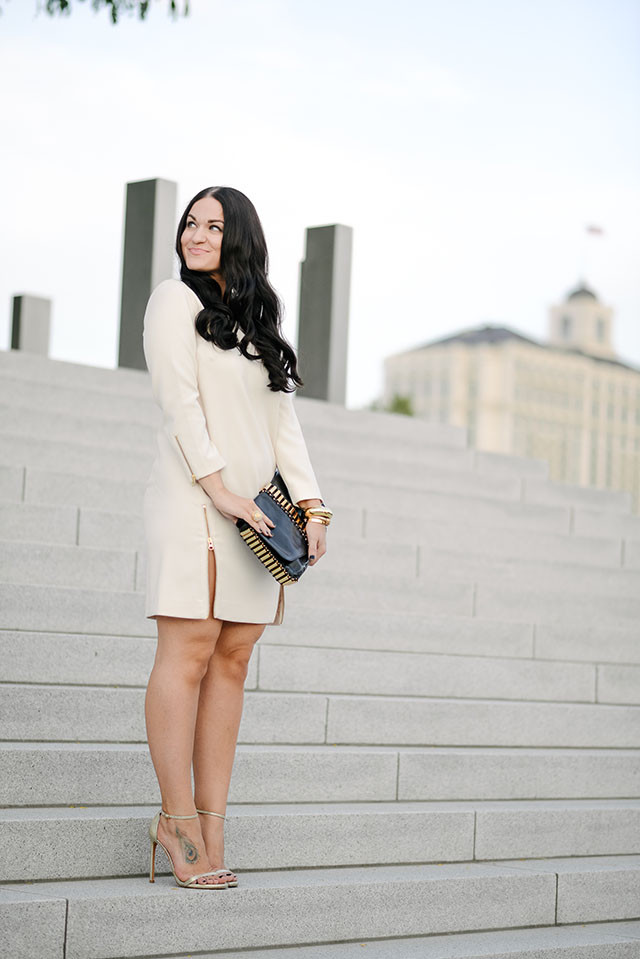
595	229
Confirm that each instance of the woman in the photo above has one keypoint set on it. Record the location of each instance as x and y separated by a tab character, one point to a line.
221	372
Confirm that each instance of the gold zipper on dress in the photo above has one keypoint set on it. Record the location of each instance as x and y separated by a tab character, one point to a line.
193	475
209	540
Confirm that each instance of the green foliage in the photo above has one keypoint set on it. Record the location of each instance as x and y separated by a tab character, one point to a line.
399	404
115	7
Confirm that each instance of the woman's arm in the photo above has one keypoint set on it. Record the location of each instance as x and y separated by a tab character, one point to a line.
292	456
169	343
292	460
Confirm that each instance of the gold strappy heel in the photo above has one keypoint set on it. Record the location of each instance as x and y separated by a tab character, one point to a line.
191	882
230	882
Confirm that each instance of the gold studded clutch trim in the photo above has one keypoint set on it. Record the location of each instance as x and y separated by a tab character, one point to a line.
286	552
285	505
266	557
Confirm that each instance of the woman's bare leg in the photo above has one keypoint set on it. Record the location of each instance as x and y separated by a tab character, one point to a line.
171	704
217	723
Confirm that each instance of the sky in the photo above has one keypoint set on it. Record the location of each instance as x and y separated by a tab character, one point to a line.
468	143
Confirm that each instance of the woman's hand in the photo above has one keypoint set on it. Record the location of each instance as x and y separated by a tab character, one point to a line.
316	533
233	506
239	507
317	536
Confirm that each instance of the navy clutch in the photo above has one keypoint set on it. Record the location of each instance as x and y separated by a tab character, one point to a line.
286	553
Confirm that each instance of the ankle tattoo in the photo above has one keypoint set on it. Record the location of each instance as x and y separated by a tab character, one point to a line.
189	849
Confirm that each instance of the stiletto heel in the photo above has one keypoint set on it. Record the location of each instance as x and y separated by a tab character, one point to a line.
191	882
230	882
152	864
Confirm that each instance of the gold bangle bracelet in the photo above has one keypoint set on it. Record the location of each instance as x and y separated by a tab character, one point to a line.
315	519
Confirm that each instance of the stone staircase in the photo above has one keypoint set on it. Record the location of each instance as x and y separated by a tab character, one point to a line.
439	755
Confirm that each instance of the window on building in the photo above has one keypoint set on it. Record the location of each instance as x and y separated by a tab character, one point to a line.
566	326
600	327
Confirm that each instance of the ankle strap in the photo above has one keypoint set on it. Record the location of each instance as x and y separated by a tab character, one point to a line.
170	816
206	811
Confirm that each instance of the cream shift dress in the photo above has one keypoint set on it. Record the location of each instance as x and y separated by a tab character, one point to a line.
218	413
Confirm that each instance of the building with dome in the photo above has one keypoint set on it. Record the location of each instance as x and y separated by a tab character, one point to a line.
570	400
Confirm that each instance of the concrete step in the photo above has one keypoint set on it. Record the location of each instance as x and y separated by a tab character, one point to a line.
607	940
458	636
48	773
520	572
498	601
110	841
34	711
112	462
591	522
51	564
501	543
96	404
631	554
449	595
308	906
449	722
74	428
12	483
537	490
437	657
31	367
418	511
65	609
32	523
379	673
601	940
55	488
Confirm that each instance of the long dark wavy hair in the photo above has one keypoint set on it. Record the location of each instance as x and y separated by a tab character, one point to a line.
249	303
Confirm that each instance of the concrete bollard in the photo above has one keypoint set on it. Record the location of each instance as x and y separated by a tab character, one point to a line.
323	316
31	324
148	258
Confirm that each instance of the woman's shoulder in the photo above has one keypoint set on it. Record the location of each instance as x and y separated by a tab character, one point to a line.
173	289
174	293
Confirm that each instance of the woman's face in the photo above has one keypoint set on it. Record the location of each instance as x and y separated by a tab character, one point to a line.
201	240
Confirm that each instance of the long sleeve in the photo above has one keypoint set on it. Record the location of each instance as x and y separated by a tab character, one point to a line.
169	343
292	457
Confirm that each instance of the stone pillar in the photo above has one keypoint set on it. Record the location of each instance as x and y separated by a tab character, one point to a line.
323	317
31	324
148	258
